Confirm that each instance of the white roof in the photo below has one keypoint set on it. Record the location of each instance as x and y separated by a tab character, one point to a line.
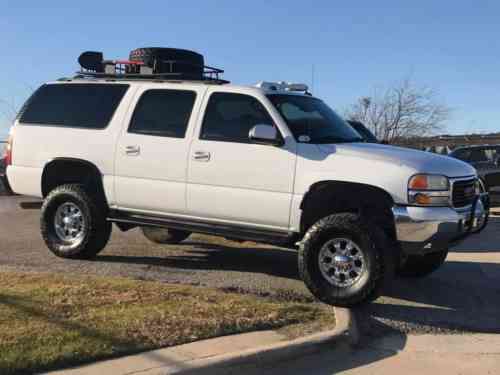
262	87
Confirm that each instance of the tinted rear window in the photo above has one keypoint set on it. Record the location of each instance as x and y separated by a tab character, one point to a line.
73	105
163	113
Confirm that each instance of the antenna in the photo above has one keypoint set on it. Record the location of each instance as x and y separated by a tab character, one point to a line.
312	78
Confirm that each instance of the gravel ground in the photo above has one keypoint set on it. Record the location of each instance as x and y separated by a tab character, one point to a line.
464	296
200	260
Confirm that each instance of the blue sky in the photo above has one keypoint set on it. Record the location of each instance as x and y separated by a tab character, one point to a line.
453	46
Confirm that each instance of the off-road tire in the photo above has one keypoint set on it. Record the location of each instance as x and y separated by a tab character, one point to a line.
98	229
422	265
187	63
373	243
165	236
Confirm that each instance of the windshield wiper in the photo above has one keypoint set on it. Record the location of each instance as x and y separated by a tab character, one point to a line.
333	139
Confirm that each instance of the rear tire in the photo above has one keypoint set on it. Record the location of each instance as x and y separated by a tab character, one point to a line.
422	265
73	224
165	236
353	238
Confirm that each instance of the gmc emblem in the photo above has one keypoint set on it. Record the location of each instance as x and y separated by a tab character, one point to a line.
469	190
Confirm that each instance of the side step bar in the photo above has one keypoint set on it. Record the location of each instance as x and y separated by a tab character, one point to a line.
129	220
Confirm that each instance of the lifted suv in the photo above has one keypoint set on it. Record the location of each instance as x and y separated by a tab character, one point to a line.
270	163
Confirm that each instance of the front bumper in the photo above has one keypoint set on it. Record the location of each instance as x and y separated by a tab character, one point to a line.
421	230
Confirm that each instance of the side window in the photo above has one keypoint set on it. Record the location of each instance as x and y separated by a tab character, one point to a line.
77	105
491	154
477	155
163	113
229	117
462	155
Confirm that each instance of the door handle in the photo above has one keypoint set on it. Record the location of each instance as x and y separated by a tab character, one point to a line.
132	150
201	156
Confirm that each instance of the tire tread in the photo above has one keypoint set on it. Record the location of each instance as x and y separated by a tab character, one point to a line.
349	222
99	228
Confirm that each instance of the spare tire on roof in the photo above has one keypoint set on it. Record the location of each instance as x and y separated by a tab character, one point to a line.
184	63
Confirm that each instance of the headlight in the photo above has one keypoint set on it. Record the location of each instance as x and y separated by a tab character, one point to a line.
429	190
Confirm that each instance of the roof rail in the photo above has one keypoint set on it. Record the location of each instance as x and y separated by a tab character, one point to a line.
146	77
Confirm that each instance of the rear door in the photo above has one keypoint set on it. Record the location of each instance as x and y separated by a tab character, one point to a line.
151	155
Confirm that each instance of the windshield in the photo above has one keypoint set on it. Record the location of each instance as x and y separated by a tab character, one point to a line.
363	131
311	120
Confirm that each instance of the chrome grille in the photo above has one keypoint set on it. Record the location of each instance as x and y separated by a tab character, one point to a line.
463	192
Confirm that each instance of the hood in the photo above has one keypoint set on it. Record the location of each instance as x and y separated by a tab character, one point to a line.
419	161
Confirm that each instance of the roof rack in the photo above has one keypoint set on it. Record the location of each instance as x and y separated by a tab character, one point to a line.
158	76
94	66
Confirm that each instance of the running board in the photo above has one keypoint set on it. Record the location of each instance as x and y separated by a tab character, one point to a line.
129	220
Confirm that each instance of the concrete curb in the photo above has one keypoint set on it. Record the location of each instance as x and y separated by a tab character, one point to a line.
345	331
186	359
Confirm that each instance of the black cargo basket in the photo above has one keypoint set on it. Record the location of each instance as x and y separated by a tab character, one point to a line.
186	64
151	63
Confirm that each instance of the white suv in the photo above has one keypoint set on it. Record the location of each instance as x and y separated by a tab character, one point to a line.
271	164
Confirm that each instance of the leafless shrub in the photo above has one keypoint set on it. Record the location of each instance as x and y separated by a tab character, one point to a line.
401	111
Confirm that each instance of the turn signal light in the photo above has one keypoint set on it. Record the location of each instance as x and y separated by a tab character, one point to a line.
423	199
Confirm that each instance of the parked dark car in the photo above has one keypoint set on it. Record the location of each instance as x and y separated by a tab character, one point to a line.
363	131
486	160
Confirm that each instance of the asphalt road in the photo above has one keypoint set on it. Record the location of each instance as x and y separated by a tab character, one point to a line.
463	296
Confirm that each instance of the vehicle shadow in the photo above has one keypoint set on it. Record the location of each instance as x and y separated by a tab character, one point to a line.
326	360
450	300
206	256
460	297
487	241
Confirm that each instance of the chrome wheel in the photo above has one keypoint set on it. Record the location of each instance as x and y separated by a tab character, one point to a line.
341	262
69	223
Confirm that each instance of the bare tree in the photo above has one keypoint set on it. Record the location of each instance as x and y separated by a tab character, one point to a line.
8	110
401	111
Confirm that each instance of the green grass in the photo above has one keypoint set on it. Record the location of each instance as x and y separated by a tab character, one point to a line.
52	321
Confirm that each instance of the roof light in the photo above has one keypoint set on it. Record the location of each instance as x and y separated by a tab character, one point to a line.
283	86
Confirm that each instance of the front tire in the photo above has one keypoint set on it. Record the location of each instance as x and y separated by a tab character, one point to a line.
73	224
165	236
344	261
422	265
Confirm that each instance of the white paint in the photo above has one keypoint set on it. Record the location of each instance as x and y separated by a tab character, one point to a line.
254	184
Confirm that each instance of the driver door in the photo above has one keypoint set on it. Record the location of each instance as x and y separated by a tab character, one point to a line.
232	179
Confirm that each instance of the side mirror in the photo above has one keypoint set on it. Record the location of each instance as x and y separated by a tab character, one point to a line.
266	135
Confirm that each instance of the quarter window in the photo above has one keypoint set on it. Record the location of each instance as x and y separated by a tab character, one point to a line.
75	105
230	117
163	113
